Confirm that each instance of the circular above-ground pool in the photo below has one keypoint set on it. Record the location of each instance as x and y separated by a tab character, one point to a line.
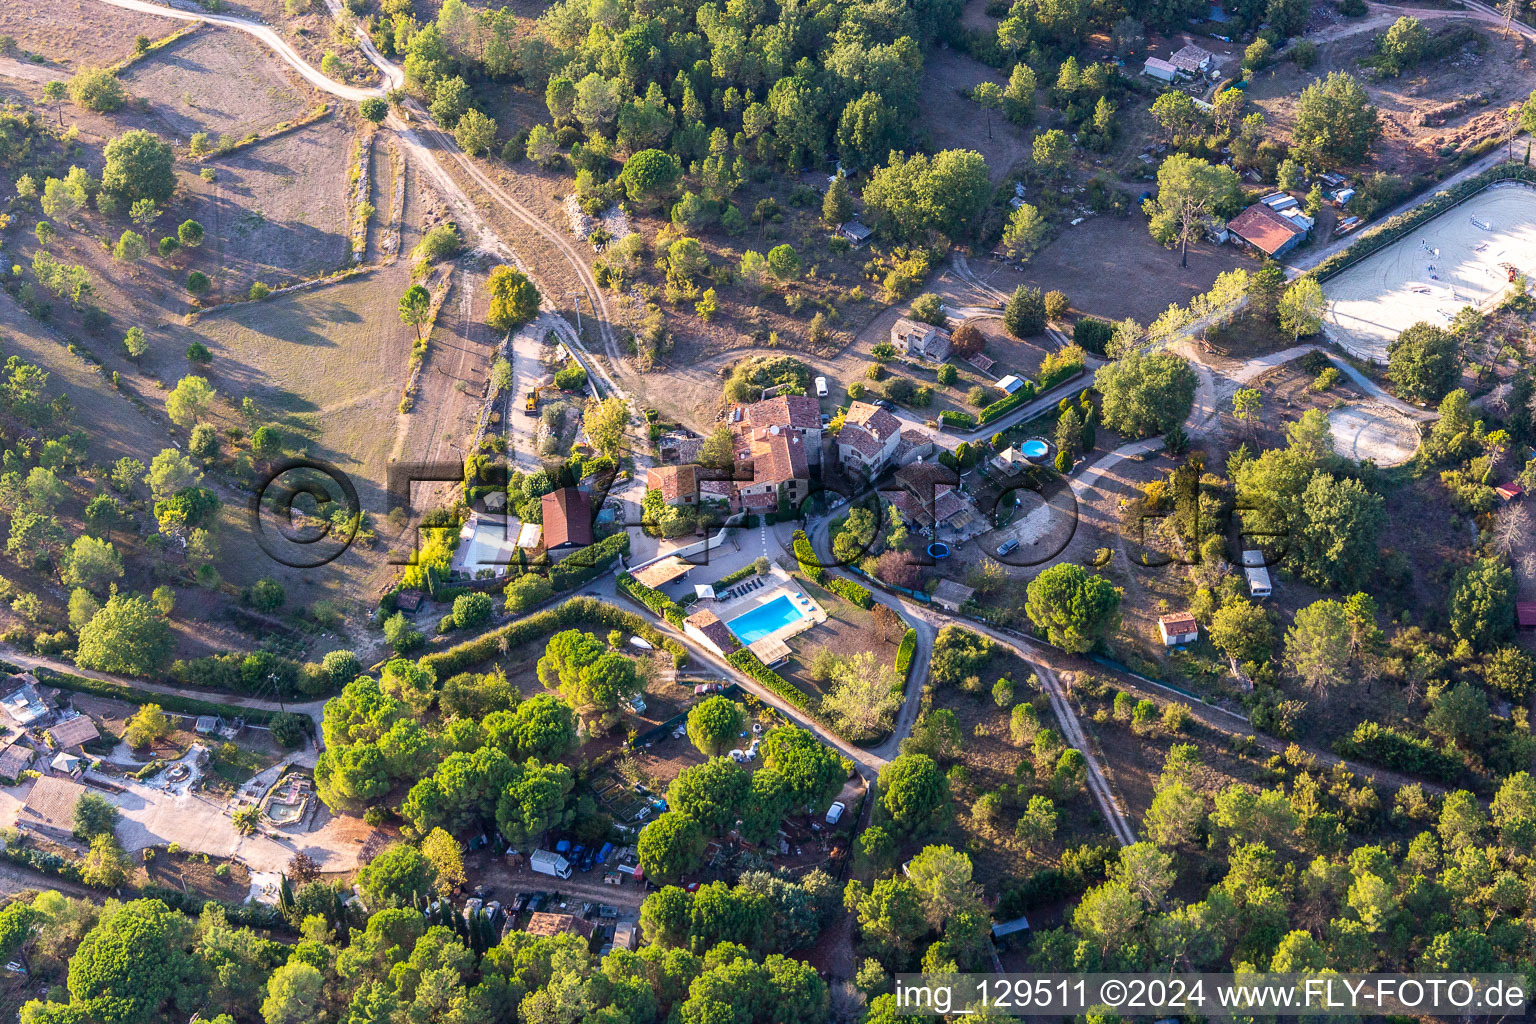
938	549
1035	448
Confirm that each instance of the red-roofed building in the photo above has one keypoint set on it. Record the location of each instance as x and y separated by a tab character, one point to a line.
869	438
678	484
1261	228
567	515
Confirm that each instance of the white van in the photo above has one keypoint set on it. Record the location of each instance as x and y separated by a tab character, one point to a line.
821	387
835	812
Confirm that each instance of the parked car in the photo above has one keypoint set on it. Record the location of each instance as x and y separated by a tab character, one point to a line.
1007	546
821	387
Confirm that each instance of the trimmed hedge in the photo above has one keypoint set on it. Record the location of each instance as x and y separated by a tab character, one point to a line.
577	609
1396	750
859	595
1394	228
1003	407
906	652
736	577
168	701
588	563
806	556
958	420
659	603
745	661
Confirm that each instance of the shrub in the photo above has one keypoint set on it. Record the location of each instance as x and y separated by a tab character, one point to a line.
957	420
1093	334
586	611
745	661
854	592
805	554
1393	749
906	652
655	600
1007	405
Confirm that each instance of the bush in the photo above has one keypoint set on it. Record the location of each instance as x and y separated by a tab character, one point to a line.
805	554
1093	334
957	420
1007	405
906	652
289	728
571	378
1398	751
745	661
168	701
852	591
1056	305
655	600
471	610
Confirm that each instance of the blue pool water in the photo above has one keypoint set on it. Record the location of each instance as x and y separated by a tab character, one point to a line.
765	619
1034	449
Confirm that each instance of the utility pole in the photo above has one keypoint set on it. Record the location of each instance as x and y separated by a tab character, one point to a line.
576	293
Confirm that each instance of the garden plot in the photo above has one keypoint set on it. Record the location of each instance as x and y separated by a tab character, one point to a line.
1369	430
217	81
1463	257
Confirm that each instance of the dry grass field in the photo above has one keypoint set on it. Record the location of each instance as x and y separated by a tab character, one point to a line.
277	211
79	33
218	81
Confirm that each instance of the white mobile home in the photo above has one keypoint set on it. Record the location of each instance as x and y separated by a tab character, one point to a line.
1258	575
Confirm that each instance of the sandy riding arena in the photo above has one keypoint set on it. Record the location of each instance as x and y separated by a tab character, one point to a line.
1462	257
1373	431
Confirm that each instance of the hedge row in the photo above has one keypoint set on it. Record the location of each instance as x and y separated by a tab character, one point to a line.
906	652
1007	405
1390	748
659	603
588	563
745	661
958	420
1393	228
576	610
806	556
168	701
859	595
735	577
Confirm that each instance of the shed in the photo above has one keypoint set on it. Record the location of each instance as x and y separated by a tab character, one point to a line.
1004	929
1509	492
1180	628
857	234
66	764
549	925
1009	384
951	595
770	650
50	807
14	760
1160	69
74	732
624	936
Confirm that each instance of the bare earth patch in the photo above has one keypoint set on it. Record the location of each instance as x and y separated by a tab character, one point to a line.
1372	431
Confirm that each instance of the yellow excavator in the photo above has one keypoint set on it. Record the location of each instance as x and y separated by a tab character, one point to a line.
531	407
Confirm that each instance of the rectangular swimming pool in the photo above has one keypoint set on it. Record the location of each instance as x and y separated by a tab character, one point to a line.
765	619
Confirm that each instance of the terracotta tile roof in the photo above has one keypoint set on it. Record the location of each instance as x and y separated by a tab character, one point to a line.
1181	622
14	760
708	623
1191	57
1263	228
659	574
799	411
873	418
74	731
947	503
674	482
911	509
926	479
550	925
567	518
779	459
52	803
761	502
